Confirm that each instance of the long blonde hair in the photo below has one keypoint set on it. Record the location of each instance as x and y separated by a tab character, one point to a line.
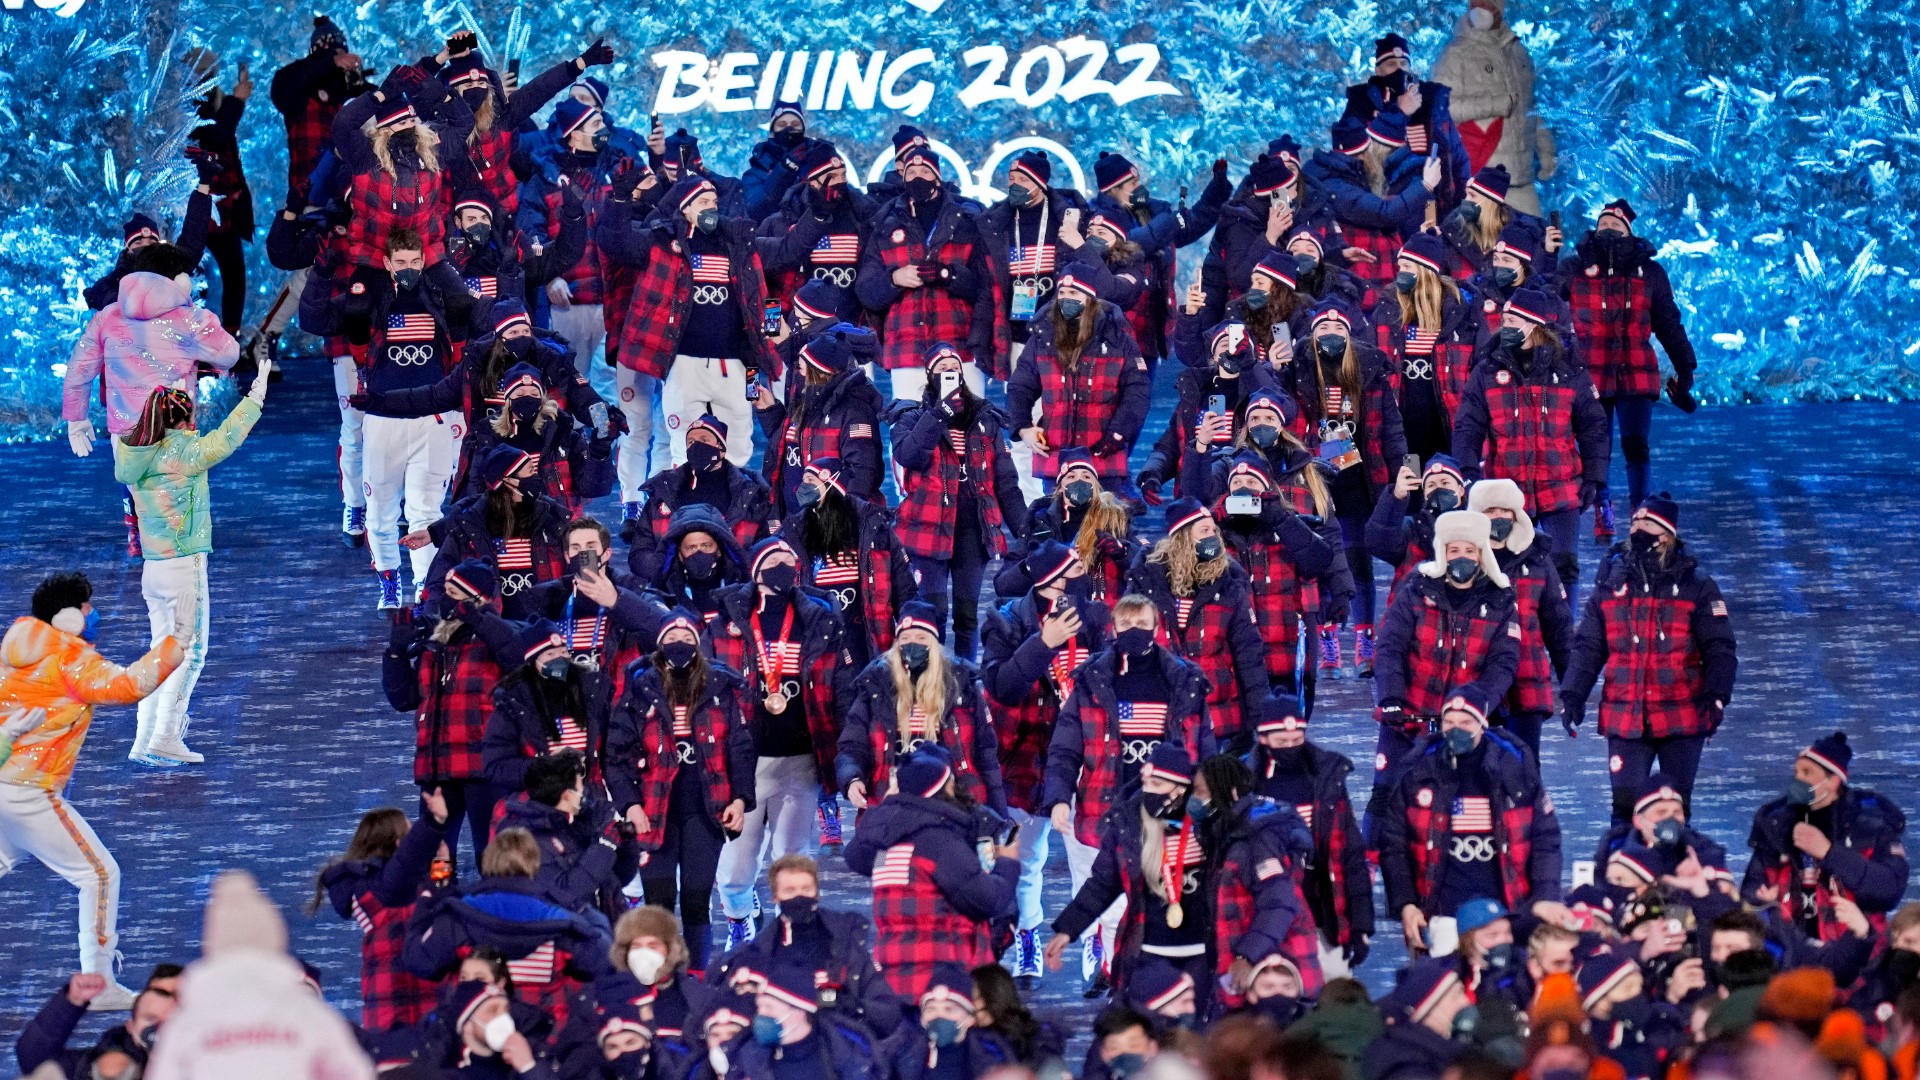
1485	231
1424	305
503	423
1310	477
425	144
1185	571
1153	852
1104	514
483	118
929	693
1374	161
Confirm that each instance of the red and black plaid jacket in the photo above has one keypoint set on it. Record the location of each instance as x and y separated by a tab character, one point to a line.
1614	319
870	739
1381	437
1105	394
584	279
1281	595
382	202
463	534
1418	824
734	639
1544	430
1536	583
1434	648
644	756
929	499
1384	246
1666	643
746	510
1221	636
917	318
456	695
886	578
1083	757
1255	877
1337	884
489	151
1866	864
390	997
1017	664
663	285
309	133
1449	350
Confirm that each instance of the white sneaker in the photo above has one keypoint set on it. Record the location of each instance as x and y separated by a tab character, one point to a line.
174	750
115	998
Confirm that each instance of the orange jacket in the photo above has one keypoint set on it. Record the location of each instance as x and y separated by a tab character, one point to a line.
45	667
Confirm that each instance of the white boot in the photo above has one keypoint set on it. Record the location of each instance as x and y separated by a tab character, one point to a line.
170	746
115	998
143	731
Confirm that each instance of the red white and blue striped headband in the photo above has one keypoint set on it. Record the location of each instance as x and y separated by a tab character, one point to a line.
1336	315
822	167
1425	1005
617	1024
472	204
1121	179
1643	512
1164	773
576	125
1460	703
1277	274
1664	794
1069	280
1438	466
1192	516
812	361
1385	140
1016	167
1248	468
773	990
1421	260
1166	997
679	622
524	380
1475	185
473	74
810	310
1527	313
1824	762
946	774
699	189
1516	251
454	577
707	425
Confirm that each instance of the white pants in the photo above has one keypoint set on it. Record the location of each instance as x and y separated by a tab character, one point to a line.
176	595
643	449
411	459
910	383
585	328
44	825
1022	454
1080	867
786	792
346	380
1032	842
696	385
286	303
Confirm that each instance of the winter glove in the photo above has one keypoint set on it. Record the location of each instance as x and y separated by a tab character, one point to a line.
1149	484
951	405
597	412
1589	494
1357	950
205	164
80	437
403	81
1111	546
571	197
1108	444
598	54
626	180
1680	392
258	391
1571	717
359	401
1335	611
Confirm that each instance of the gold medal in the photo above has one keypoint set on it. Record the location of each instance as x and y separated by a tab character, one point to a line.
1175	915
776	703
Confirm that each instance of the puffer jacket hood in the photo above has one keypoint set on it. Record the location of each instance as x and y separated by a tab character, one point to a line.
145	296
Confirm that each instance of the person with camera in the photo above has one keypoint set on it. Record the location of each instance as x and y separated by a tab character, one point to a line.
817	231
1400	529
1215	396
1468	816
934	898
587	852
1452	627
376	883
1157	229
834	414
680	768
1666	692
1826	839
1034	647
1638	1032
1126	700
545	704
1426	104
916	694
1659	819
1293	771
609	619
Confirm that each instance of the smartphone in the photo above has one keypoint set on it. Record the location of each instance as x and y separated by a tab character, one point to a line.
583	562
1217	404
1411	461
949	382
462	41
1553	219
753	390
770	317
513	68
1243	505
1060	604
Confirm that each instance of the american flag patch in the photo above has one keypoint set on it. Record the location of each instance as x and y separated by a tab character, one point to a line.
585	633
1305	811
895	868
958	441
362	919
484	286
1170	850
782	656
416	326
1183	610
1719	607
1142	719
1417	139
1268	868
516	554
837	249
572	735
682	725
917	723
1513	629
1421	342
1066	660
710	269
838	570
534	969
860	431
1473	814
1031	261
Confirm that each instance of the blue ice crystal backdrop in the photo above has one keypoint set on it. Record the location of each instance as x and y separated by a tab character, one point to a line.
1768	146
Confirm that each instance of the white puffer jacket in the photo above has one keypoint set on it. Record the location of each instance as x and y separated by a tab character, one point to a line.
1491	75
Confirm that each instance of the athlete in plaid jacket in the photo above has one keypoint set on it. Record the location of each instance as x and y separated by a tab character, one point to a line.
522	534
1159	229
375	884
545	705
738	497
1379	189
1540	603
1082	368
501	120
586	852
397	145
1659	628
932	901
834	414
848	550
819	232
1621	300
1427	329
1400	531
1232	373
308	94
610	619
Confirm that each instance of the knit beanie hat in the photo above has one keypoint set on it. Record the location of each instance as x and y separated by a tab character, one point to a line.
925	771
1831	753
1110	169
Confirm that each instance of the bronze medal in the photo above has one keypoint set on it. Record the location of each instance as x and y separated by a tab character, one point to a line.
1175	915
776	703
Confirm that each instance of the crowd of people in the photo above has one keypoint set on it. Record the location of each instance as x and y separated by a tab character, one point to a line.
1385	356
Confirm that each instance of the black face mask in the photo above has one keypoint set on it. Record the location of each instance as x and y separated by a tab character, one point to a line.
1469	212
474	98
1903	967
1305	265
1505	277
807	497
1166	807
1254	300
915	656
479	233
1642	543
1405	280
679	654
556	669
1510	338
1140	200
1463	569
707	221
1394	83
779	580
1610	235
1442	500
406	280
1072	309
920	189
1287	758
800	909
1263	435
1209	549
1668	832
1501	528
1079	492
1135	641
789	137
631	1065
525	408
703	456
702	565
519	347
1019	197
1077	588
1331	346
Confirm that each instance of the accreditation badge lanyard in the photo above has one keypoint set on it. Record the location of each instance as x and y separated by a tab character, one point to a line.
1026	297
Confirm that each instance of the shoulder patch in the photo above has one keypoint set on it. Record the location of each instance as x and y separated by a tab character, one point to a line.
1719	608
1546	802
1503	377
1425	798
1513	629
1267	868
899	236
1593	271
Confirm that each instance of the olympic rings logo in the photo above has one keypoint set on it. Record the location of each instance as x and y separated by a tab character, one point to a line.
685	750
914	744
838	275
790	688
409	355
710	294
843	598
1137	751
515	582
1336	431
1472	849
1038	284
1417	368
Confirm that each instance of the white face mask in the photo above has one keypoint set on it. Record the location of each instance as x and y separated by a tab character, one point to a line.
1480	18
645	963
498	1031
717	1058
